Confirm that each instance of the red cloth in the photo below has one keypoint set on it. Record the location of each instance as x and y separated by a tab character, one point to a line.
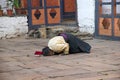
38	53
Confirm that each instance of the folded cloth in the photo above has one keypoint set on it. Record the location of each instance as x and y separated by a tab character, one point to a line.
38	53
64	36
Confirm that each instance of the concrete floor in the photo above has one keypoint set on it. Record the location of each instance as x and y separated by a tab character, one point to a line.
17	61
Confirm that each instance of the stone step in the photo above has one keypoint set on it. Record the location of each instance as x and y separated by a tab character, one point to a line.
49	32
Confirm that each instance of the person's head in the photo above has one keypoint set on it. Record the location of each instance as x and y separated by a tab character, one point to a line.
47	51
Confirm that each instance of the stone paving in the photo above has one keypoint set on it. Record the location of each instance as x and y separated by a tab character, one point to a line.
17	61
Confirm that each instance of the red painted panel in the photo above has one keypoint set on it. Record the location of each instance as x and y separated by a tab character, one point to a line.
105	26
53	2
69	5
35	3
41	19
56	18
117	27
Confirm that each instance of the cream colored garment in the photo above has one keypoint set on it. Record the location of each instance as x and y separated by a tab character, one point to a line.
58	44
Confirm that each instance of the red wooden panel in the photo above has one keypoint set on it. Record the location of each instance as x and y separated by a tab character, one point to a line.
117	27
56	18
105	26
35	3
69	5
41	19
53	2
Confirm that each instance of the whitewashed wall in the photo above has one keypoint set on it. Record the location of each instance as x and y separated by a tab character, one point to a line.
86	15
3	4
12	27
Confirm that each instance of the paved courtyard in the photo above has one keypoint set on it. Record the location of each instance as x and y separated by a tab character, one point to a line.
17	61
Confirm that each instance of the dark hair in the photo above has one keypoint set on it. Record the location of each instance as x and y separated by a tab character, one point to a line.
46	51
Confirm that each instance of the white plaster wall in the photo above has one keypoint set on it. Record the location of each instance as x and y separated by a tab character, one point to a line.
3	4
86	15
13	26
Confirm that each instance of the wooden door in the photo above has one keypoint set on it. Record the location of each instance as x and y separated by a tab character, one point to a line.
36	14
43	12
107	19
69	8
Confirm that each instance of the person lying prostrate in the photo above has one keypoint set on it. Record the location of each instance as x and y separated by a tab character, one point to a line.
65	43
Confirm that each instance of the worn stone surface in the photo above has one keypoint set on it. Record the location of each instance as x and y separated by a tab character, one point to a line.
73	30
17	61
52	31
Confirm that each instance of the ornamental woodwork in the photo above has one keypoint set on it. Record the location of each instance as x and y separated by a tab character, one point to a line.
106	23
37	14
